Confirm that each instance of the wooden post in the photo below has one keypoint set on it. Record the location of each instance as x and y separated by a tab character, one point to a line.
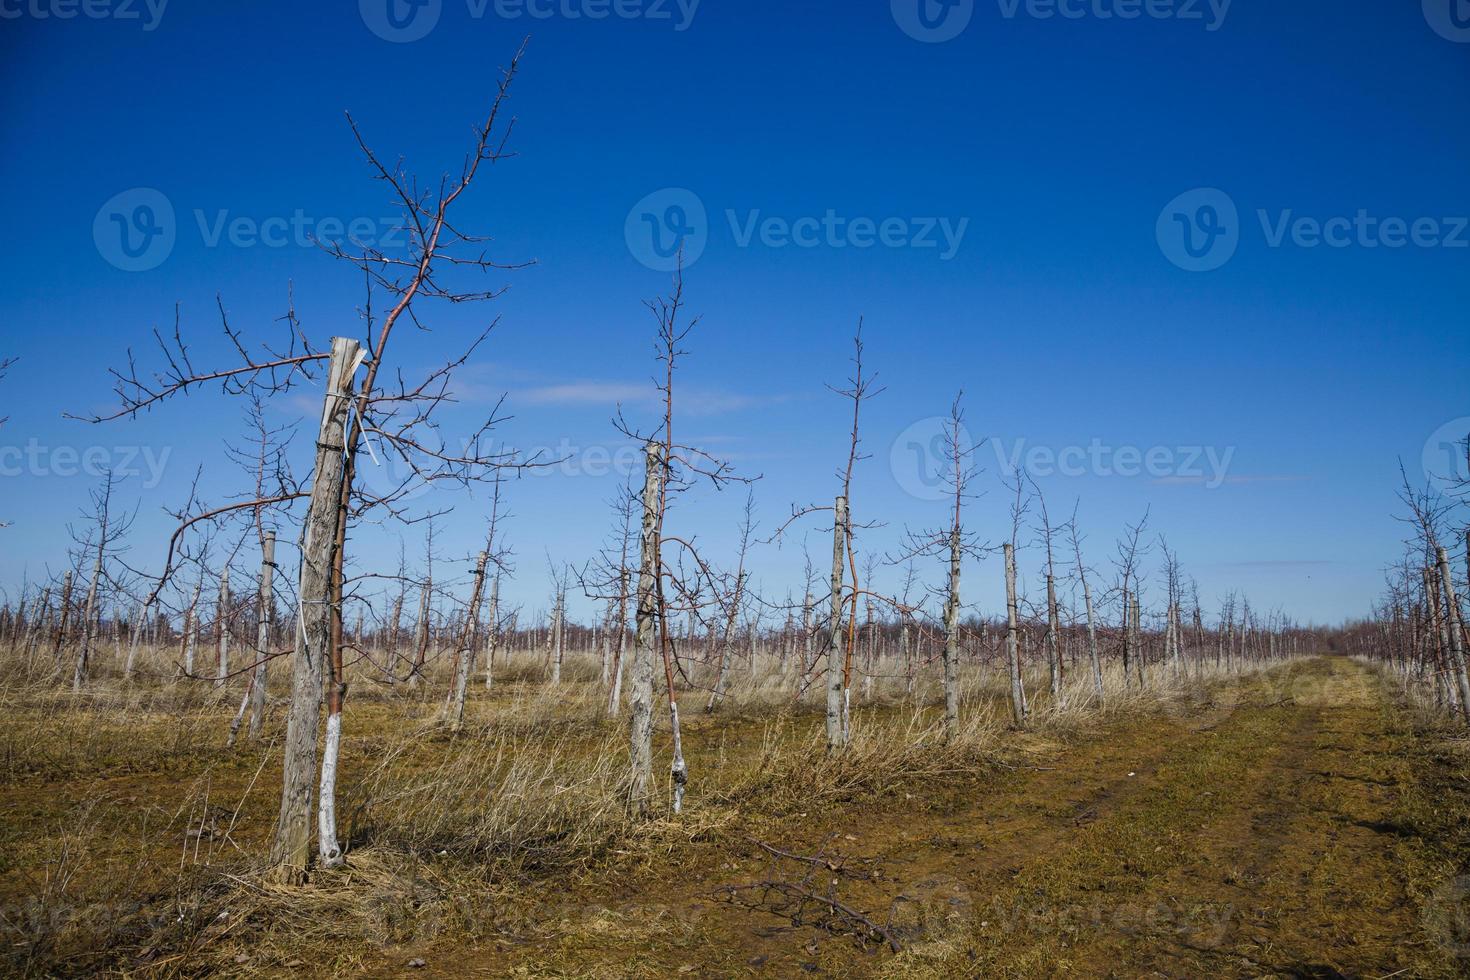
641	703
292	846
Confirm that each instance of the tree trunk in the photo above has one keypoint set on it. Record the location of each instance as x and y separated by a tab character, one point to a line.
222	627
191	628
555	639
292	846
36	630
1455	630
88	613
1053	630
464	657
951	640
615	696
836	692
1137	630
808	661
492	633
1097	677
642	680
135	635
1013	645
421	648
64	613
266	604
725	641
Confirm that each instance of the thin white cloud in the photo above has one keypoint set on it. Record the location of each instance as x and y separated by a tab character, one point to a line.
585	393
1275	564
1197	481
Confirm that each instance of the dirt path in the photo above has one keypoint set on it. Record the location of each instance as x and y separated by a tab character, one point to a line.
1295	826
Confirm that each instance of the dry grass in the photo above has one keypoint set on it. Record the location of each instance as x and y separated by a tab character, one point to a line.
132	837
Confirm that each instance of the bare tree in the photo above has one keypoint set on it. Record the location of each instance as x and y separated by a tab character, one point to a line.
1095	660
683	582
953	543
398	422
109	532
1130	552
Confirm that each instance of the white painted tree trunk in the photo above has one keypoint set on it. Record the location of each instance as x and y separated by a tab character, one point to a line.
1097	675
135	635
265	608
36	630
1053	631
292	846
464	660
641	702
222	625
63	615
726	640
421	646
1455	629
604	644
88	614
952	639
557	638
808	661
615	697
1013	647
837	706
492	633
191	628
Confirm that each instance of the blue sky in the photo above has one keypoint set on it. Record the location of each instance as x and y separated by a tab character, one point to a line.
1277	388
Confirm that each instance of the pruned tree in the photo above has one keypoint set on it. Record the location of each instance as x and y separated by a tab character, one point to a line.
1094	659
397	420
667	585
954	543
837	643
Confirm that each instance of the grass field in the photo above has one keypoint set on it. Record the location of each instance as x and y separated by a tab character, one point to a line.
1296	822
